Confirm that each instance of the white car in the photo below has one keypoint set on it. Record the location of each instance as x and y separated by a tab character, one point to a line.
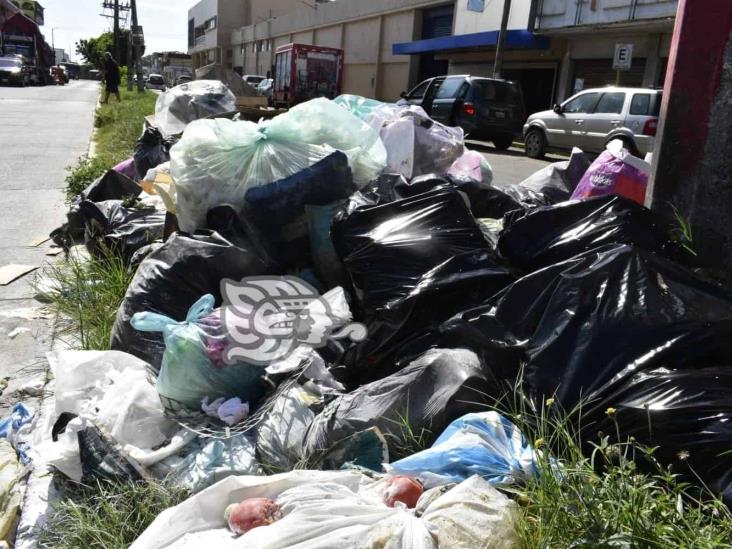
155	82
253	79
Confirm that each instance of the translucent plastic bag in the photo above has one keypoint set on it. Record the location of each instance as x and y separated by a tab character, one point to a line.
179	106
323	122
193	366
362	107
216	161
485	444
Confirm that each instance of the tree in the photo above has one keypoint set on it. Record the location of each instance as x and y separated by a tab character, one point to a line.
93	49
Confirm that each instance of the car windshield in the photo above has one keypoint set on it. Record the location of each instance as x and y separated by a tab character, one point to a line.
156	79
8	64
501	92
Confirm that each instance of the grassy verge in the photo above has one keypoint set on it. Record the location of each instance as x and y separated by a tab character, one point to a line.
118	126
604	499
109	515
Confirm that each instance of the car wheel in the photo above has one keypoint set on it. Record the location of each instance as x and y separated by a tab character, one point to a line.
503	142
535	143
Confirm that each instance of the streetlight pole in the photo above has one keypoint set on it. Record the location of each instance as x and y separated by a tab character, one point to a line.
501	44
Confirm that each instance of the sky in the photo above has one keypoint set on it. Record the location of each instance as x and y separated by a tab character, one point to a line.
165	23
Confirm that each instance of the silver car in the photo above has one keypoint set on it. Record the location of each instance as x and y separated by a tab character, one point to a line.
592	118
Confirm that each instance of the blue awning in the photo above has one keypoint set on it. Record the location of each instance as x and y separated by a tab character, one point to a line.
522	39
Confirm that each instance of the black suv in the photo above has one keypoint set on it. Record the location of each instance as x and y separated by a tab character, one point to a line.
486	108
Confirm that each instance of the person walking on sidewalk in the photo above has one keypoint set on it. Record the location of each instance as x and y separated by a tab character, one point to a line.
111	78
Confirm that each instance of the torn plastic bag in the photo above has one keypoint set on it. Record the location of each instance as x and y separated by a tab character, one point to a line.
344	509
181	105
615	171
151	150
453	286
279	203
415	143
111	186
485	444
173	277
323	122
207	461
532	239
360	107
115	226
387	249
193	367
552	184
217	161
433	390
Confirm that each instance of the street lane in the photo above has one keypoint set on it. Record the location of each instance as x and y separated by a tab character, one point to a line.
511	166
42	131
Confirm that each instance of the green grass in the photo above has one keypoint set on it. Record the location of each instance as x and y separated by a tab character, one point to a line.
118	127
108	515
85	295
604	499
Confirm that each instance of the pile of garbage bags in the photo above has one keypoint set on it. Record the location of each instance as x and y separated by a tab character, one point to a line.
325	287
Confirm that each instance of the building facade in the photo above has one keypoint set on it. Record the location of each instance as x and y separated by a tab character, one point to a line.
7	10
31	9
593	29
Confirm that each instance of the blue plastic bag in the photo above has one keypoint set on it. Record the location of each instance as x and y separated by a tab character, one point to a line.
485	444
193	368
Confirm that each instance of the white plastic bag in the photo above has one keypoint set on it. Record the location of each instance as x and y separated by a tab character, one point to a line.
181	105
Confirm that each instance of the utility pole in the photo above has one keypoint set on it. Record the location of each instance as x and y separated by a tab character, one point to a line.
137	41
116	31
500	46
116	8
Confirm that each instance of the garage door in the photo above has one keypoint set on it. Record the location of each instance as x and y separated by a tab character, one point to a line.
598	73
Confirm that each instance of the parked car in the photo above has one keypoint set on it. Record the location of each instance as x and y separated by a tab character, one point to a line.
486	108
14	71
594	117
155	82
253	79
183	79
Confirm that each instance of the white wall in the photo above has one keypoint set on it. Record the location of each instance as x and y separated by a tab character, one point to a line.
468	22
563	13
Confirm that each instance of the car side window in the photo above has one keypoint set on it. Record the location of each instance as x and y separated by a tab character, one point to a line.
611	103
450	88
641	104
581	104
419	91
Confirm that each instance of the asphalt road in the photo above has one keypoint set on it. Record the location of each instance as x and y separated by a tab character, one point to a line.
511	166
42	131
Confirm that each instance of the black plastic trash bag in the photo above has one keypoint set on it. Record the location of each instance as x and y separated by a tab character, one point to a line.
387	249
100	460
455	285
111	186
532	239
173	278
426	396
151	150
550	185
114	227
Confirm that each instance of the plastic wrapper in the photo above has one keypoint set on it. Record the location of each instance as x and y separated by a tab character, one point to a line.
533	239
621	327
217	161
416	144
615	171
128	169
484	444
173	277
552	184
113	226
361	107
193	367
472	165
387	249
433	390
179	106
345	509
